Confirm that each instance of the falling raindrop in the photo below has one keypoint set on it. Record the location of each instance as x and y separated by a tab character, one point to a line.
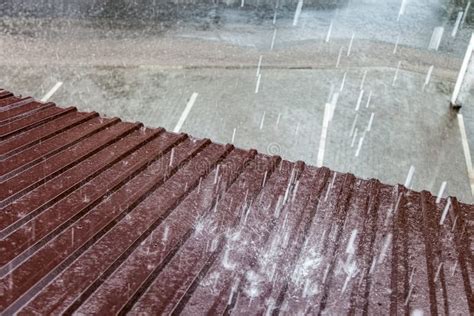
350	45
343	81
438	271
383	253
257	86
350	244
171	157
396	73
363	80
402	9
371	120
409	178
299	7
330	186
278	119
359	100
328	35
396	44
354	137
273	39
233	135
339	57
428	77
368	99
436	37
356	117
445	211
441	192
466	11
262	120
456	24
359	146
259	65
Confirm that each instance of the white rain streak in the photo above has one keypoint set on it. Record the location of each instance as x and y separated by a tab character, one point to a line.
217	175
330	186
273	39
299	7
440	265
368	100
395	77
354	125
343	81
359	100
454	224
407	300
262	120
428	77
171	157
226	262
386	245
259	65
278	207
278	119
466	12
467	152
453	269
333	102
463	70
412	274
297	128
456	24
408	181
232	292
257	86
402	9
441	192
328	109
233	136
436	38
295	190
339	57
51	92
331	91
396	45
349	49
363	80
371	120
354	137
445	212
186	111
359	146
165	234
328	35
350	244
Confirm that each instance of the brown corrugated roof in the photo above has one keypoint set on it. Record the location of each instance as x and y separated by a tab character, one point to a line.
102	216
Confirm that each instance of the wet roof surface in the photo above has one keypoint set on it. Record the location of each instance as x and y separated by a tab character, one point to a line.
102	216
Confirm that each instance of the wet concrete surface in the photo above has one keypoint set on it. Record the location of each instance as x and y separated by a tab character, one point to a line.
147	72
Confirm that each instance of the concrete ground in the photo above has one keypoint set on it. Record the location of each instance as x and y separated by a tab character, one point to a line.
150	76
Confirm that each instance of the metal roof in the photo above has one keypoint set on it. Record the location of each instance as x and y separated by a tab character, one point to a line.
102	216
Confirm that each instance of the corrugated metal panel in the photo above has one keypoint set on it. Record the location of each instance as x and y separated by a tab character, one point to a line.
101	216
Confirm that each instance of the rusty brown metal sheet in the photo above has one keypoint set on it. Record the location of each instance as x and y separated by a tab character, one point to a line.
100	216
5	94
18	112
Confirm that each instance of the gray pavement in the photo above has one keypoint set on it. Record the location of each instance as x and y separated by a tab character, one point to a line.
151	78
